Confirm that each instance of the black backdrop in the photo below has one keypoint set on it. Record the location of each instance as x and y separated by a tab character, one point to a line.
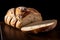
42	6
48	9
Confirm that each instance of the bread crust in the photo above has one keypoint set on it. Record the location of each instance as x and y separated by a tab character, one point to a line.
16	17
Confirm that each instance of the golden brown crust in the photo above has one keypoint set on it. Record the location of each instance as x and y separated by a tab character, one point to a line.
5	18
37	14
9	16
18	24
34	11
13	21
17	16
18	13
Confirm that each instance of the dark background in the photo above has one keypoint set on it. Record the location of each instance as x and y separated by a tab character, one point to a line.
48	9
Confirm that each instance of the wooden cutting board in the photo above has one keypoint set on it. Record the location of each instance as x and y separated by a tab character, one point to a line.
10	33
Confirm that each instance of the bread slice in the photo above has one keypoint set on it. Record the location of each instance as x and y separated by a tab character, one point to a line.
20	16
38	26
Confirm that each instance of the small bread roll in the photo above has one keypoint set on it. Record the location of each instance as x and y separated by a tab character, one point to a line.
20	16
38	26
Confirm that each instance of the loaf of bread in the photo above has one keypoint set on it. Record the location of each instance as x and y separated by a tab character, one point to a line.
21	16
38	26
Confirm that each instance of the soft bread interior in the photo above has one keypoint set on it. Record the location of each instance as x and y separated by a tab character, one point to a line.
37	25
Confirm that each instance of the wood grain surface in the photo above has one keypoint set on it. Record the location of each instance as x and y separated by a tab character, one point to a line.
10	33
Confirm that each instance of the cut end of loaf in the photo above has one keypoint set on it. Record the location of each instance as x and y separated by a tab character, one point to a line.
43	24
